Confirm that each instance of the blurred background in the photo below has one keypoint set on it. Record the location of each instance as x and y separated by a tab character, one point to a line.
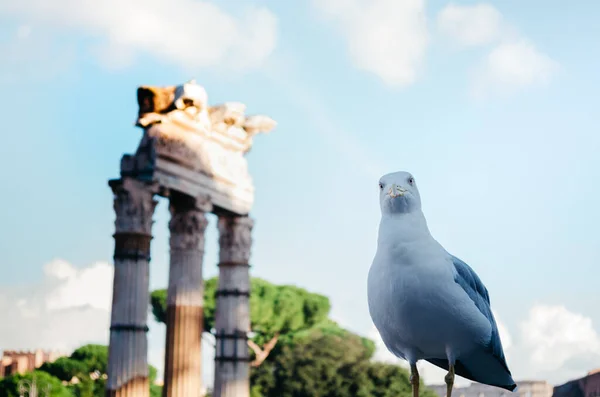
492	107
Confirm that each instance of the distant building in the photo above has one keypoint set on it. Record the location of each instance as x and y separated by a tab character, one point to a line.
13	362
527	388
534	388
588	386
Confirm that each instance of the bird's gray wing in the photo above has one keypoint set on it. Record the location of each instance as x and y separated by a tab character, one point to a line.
473	286
489	364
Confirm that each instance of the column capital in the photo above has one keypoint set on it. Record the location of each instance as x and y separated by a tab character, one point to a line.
235	239
188	221
187	227
134	205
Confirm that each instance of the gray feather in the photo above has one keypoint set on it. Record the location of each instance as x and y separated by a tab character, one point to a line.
469	281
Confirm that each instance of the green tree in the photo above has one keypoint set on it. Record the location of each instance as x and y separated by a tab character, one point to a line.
275	311
9	386
329	361
85	388
94	357
81	364
388	380
324	361
155	390
65	368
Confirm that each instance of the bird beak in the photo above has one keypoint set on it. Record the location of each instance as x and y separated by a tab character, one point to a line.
396	191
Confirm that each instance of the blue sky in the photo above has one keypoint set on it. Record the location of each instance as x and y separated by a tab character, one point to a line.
492	106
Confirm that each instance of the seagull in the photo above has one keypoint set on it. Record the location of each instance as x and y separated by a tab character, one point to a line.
426	303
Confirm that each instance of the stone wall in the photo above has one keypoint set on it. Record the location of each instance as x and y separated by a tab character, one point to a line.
24	361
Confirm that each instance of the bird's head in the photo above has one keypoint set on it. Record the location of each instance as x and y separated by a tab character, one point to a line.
398	193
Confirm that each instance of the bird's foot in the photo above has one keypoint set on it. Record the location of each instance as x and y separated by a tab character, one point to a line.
449	378
414	380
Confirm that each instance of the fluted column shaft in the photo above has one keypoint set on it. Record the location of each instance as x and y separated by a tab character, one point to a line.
183	360
232	317
128	349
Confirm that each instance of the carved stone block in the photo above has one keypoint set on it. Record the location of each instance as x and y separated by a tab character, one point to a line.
155	99
235	239
134	205
187	228
182	133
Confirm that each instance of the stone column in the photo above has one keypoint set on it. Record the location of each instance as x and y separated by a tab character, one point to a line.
183	371
232	317
128	350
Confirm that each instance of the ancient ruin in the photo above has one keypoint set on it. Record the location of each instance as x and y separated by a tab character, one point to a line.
20	362
193	154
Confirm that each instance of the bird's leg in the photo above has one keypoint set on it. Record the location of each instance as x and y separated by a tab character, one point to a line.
449	378
414	379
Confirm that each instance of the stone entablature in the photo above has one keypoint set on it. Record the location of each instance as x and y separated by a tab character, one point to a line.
195	148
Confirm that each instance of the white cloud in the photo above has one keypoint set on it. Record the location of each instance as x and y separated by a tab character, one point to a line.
68	308
513	62
470	25
72	287
511	66
519	63
23	31
554	336
188	33
385	37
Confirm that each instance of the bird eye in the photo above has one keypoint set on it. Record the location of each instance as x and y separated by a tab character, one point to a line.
380	185
411	180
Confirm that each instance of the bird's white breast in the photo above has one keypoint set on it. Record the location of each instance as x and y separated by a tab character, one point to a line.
415	303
